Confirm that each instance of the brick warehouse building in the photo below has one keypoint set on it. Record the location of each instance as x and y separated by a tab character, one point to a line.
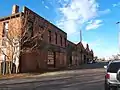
77	54
52	52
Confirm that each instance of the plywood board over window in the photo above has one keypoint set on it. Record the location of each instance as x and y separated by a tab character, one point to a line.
50	58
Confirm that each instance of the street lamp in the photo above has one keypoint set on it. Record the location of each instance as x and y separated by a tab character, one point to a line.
118	35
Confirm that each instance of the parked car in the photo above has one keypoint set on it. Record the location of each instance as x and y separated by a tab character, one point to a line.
90	62
112	76
94	61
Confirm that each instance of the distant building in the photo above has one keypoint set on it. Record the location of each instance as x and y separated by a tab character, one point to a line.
71	53
77	54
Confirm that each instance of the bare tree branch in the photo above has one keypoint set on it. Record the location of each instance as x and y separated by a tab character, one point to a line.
16	44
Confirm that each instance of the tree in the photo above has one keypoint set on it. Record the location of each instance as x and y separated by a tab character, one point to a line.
115	57
95	58
20	39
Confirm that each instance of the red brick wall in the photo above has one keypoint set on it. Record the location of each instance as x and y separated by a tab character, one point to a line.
33	61
40	21
57	59
54	30
30	61
61	60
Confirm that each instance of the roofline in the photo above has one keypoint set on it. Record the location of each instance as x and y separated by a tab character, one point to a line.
11	16
79	42
71	42
44	19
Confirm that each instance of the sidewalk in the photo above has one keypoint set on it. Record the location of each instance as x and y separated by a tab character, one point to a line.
55	75
50	76
37	77
30	80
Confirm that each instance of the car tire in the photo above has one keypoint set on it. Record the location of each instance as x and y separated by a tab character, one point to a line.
107	87
114	88
118	75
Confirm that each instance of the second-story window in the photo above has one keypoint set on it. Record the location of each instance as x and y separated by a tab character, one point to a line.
56	38
65	41
5	33
49	36
30	28
5	29
61	40
41	31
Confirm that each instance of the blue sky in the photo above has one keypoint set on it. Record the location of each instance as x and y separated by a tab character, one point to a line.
96	19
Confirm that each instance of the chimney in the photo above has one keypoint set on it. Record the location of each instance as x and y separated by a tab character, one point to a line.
87	47
15	9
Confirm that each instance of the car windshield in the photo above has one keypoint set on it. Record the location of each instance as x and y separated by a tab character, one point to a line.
113	67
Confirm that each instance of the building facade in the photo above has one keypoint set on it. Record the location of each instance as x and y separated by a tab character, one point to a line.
71	53
39	44
52	53
77	54
52	49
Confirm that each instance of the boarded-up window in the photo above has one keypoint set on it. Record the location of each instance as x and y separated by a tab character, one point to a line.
50	58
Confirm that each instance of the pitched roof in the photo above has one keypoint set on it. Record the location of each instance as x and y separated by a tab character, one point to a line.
81	45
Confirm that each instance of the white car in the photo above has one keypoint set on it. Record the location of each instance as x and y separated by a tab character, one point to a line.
90	62
112	77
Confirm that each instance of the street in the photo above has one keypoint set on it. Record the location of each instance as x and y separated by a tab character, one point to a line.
89	77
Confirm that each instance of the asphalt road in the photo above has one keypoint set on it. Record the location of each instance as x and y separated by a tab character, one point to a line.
88	77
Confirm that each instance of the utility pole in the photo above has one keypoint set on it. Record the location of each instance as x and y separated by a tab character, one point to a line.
118	36
81	43
80	36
